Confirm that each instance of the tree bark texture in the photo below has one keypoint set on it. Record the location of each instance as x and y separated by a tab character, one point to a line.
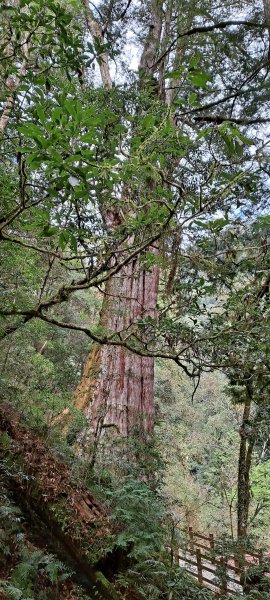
244	466
97	34
116	389
266	5
12	82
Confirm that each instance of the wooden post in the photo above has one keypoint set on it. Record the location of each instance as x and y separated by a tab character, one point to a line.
236	561
211	541
191	537
223	586
172	544
199	565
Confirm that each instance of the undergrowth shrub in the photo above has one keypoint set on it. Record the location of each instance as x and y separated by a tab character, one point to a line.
138	513
156	580
35	576
28	573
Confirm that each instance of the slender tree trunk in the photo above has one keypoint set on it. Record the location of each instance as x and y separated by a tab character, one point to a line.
266	5
13	81
97	34
244	465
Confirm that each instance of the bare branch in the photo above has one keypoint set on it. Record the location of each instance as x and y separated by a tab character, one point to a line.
123	14
7	220
232	96
116	340
206	29
217	119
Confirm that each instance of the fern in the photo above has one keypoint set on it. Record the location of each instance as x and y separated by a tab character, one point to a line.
33	569
34	565
157	580
13	592
52	570
140	513
55	569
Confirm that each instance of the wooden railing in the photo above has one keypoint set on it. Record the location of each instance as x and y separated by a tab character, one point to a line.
220	574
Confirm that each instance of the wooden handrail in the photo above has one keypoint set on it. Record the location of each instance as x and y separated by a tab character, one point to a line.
204	566
214	561
201	546
210	538
207	568
196	559
201	536
212	583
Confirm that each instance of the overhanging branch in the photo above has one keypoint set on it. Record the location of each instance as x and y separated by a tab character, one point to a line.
206	29
218	119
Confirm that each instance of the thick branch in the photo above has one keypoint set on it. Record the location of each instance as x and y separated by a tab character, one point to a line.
239	121
152	42
6	220
66	290
97	35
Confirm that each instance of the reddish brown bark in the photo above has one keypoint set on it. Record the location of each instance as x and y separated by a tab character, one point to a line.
117	385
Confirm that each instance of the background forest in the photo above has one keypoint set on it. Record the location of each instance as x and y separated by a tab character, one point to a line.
134	308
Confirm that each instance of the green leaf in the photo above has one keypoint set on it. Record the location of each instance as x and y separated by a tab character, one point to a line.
49	230
29	129
148	121
87	137
199	79
238	134
263	221
63	239
73	242
176	74
57	115
219	223
24	150
200	224
35	160
41	114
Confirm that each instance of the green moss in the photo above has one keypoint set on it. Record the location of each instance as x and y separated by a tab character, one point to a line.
106	586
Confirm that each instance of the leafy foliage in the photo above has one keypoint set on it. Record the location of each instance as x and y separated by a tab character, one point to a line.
28	572
138	514
155	579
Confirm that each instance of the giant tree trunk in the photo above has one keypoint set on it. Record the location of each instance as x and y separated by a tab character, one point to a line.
116	389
